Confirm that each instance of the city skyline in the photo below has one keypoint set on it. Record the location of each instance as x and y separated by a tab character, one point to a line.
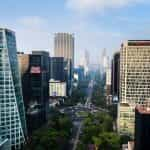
74	74
96	24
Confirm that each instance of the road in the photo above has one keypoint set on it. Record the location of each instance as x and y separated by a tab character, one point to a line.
77	120
77	137
87	105
89	92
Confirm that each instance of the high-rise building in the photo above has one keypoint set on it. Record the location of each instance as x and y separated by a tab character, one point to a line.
24	63
108	85
115	76
23	60
134	77
69	76
108	77
39	88
12	113
103	62
80	73
86	62
64	46
142	126
57	68
35	84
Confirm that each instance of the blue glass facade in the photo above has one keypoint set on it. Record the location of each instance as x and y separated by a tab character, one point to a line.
12	114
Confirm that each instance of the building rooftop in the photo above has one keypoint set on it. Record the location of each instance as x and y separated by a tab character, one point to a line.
36	52
7	30
55	81
138	42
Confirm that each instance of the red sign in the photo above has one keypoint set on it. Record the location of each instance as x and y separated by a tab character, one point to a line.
35	70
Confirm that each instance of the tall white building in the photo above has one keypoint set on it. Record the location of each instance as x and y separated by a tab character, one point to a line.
86	62
134	81
64	46
108	76
104	61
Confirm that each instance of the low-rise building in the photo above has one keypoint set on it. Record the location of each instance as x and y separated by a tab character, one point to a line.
126	117
57	89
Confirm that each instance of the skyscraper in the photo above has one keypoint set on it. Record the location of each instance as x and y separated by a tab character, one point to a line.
64	46
12	114
108	85
134	79
35	77
23	60
39	87
104	59
57	68
115	76
86	62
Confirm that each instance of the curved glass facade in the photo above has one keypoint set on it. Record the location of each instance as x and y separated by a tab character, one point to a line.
12	114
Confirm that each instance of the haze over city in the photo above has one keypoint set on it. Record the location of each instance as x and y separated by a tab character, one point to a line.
74	75
97	24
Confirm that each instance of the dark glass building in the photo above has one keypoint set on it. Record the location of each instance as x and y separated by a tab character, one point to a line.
35	73
57	68
115	76
69	76
64	47
39	88
61	70
12	113
142	128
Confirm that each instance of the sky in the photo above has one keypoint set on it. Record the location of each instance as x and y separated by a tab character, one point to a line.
96	24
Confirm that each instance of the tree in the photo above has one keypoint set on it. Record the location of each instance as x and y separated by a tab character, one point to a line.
97	142
98	97
54	135
113	111
81	146
107	141
124	139
98	130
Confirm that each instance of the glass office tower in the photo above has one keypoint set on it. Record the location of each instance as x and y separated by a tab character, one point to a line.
12	115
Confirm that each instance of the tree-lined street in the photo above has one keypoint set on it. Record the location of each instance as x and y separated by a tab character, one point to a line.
80	123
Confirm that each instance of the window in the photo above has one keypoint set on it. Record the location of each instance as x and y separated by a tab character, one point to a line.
1	38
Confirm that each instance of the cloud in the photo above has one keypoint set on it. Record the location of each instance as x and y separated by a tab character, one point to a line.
92	6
